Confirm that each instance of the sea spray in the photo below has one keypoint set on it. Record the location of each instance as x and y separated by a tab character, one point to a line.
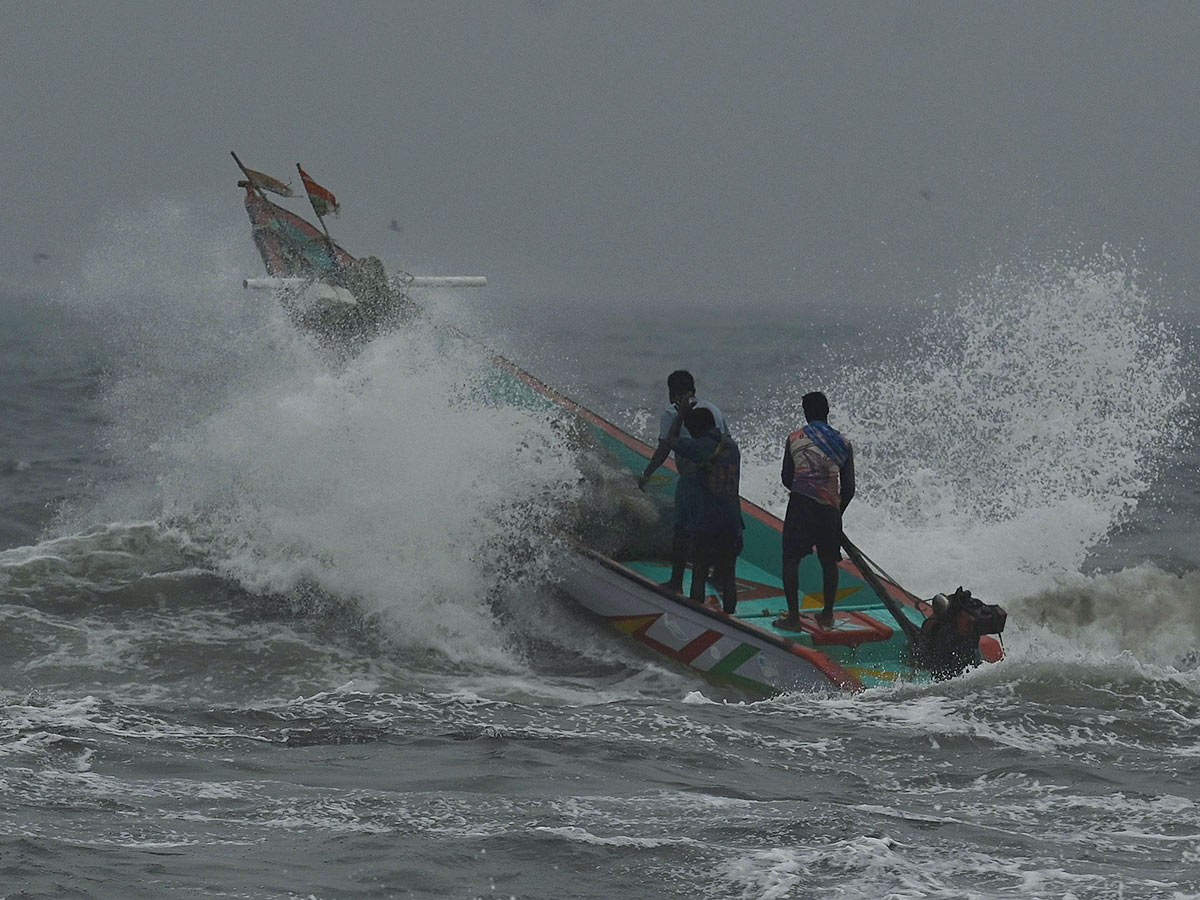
391	481
387	482
1142	610
1009	433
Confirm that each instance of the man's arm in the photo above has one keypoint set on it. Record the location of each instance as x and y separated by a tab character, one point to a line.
660	456
846	480
664	448
789	465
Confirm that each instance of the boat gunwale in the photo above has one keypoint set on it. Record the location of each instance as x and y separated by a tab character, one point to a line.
838	675
614	431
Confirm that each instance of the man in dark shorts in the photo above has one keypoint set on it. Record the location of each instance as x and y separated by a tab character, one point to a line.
711	511
818	469
681	389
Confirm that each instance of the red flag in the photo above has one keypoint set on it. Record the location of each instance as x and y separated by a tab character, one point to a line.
323	201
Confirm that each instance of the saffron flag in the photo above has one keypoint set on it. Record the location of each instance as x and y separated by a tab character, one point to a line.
265	182
323	201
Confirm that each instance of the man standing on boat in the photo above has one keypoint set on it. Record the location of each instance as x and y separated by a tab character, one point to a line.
681	390
818	470
712	513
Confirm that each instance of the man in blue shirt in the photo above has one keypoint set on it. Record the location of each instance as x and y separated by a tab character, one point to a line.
708	507
681	389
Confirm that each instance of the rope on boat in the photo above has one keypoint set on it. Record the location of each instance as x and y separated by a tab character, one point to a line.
871	573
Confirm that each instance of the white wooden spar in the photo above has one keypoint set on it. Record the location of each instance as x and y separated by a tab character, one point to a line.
315	292
416	281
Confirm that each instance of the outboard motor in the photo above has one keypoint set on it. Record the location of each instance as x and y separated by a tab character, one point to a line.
948	644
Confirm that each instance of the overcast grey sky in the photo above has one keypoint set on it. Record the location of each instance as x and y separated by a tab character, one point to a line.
777	155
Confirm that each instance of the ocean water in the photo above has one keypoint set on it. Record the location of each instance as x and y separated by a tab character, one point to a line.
278	627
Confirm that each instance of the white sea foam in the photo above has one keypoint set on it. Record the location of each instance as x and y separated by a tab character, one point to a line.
1141	610
385	484
870	866
581	835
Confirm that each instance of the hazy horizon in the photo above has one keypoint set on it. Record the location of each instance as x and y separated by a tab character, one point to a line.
717	156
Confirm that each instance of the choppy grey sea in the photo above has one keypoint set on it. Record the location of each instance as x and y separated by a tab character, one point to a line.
275	627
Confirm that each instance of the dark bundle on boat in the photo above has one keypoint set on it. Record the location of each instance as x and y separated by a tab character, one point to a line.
948	643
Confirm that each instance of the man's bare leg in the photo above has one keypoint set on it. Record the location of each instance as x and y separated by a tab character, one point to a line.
829	578
790	621
726	578
679	554
700	567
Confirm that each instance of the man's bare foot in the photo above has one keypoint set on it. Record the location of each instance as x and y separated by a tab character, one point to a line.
825	620
788	622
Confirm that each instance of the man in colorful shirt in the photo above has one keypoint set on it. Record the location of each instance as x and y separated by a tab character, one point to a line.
818	470
710	513
681	389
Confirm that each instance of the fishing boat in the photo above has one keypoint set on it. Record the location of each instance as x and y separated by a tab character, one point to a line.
881	632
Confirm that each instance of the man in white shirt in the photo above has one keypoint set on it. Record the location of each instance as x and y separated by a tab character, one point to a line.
681	390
